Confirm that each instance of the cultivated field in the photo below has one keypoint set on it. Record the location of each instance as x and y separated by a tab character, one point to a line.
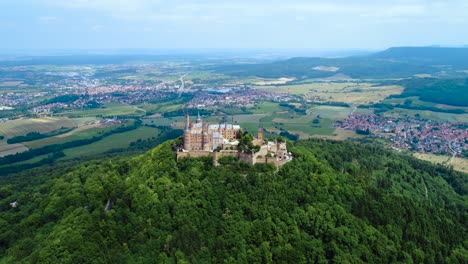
120	140
399	112
44	125
60	139
111	109
348	92
459	164
11	149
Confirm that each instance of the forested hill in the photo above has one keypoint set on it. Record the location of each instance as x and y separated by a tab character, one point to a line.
434	55
335	202
398	62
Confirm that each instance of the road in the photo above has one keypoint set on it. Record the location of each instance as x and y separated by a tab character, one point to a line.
454	152
354	110
182	85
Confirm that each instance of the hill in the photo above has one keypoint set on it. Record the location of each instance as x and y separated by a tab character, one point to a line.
398	62
335	202
455	57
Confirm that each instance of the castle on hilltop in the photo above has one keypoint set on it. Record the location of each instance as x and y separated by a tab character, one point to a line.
208	137
221	140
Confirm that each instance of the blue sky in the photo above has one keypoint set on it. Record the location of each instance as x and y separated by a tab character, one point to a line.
240	24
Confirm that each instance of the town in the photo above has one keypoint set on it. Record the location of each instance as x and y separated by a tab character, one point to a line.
425	136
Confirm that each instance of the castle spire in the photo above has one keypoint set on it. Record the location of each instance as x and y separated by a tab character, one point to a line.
198	117
187	121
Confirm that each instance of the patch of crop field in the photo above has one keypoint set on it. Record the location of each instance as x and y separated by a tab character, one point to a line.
162	107
423	75
81	128
366	111
283	80
115	141
11	83
206	76
332	112
415	101
162	121
347	92
459	164
31	161
108	111
437	116
293	119
267	108
11	149
339	134
20	127
82	134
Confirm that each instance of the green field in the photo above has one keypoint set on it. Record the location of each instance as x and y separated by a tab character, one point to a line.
162	107
347	92
415	101
115	141
111	109
162	121
267	108
21	127
83	134
437	116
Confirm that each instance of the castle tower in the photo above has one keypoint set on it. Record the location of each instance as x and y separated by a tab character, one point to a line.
260	133
187	139
205	138
187	121
198	118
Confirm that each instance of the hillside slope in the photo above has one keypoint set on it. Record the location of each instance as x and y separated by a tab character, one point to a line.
335	202
398	62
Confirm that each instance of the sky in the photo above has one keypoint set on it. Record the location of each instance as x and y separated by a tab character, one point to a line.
236	24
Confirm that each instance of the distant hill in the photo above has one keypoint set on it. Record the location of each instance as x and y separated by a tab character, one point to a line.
435	55
400	62
335	202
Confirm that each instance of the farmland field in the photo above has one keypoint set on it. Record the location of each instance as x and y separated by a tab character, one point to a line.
60	139
111	109
348	92
11	149
44	125
424	114
120	140
459	164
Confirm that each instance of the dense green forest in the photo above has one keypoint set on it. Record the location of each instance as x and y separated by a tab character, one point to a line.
442	91
337	202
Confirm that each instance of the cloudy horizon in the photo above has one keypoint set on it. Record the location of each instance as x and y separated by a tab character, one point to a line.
209	24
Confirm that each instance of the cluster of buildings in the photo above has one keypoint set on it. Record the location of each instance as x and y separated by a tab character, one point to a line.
10	99
47	108
220	140
234	97
425	136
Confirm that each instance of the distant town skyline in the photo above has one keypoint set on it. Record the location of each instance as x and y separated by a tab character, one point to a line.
210	24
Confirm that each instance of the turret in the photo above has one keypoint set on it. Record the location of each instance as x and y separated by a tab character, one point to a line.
187	121
187	138
260	133
205	138
198	118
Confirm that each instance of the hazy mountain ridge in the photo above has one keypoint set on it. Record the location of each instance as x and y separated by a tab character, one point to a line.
398	62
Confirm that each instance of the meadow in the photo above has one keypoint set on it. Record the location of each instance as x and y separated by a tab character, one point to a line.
21	127
81	134
109	110
425	114
115	141
346	92
459	164
10	149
